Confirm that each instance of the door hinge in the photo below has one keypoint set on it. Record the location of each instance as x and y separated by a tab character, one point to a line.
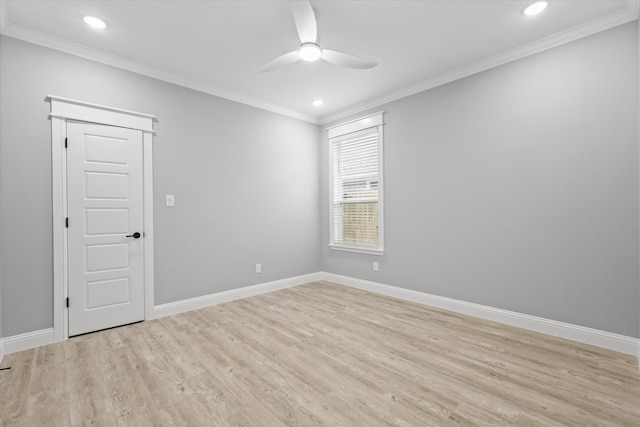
66	222
65	142
67	302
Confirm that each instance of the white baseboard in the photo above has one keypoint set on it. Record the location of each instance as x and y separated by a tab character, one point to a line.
611	341
41	337
230	295
27	340
616	342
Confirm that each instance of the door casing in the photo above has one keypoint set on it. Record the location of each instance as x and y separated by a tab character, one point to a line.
63	109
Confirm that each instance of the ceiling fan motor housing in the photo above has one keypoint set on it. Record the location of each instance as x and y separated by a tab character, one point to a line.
310	51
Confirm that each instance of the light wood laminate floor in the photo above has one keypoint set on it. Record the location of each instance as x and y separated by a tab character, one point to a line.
319	355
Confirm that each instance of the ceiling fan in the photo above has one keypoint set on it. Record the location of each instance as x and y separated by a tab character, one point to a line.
309	49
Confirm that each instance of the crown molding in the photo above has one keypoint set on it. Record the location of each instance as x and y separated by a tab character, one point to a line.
76	49
620	17
630	13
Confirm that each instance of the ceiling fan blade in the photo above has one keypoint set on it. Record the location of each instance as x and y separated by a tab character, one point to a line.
305	21
347	60
286	59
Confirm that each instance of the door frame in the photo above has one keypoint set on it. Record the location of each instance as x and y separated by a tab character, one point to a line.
63	109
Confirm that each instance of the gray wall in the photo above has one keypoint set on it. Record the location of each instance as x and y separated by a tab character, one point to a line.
1	344
517	188
525	183
245	183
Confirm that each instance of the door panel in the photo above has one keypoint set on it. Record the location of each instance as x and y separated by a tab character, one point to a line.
105	205
100	185
107	257
105	150
107	221
103	293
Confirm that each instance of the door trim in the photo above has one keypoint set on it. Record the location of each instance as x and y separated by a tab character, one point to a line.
63	109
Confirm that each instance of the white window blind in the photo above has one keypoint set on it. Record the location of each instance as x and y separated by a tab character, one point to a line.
356	202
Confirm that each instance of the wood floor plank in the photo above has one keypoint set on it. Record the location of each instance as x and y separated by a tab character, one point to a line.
319	355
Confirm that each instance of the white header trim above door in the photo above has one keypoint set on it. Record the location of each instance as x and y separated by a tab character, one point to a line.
63	109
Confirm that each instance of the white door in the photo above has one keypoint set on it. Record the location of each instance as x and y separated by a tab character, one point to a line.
105	211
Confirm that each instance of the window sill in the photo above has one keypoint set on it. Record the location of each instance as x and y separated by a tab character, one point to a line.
357	250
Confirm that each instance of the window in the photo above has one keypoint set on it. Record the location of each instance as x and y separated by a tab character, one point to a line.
355	159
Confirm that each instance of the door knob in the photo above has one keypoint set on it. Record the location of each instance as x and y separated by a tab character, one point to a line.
135	235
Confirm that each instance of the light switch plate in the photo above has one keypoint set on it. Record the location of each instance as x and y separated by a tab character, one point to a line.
170	201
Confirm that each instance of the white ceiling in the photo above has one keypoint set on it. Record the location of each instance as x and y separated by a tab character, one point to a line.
219	46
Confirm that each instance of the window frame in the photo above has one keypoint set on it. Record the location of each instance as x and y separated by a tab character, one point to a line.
371	121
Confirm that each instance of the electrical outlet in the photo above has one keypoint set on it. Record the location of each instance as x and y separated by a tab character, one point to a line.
375	266
258	268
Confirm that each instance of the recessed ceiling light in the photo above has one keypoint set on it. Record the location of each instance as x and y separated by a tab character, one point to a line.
94	22
318	102
309	51
536	8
